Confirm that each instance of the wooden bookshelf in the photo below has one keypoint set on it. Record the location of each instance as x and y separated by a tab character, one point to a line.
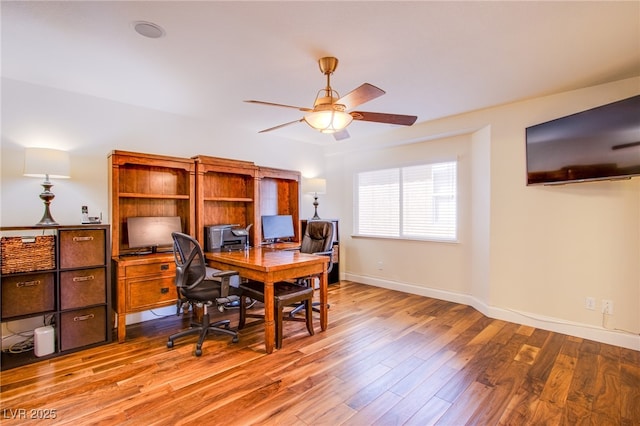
202	191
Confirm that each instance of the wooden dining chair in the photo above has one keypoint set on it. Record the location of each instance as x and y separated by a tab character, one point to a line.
285	295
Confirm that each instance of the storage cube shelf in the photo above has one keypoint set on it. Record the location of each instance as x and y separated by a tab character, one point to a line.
73	293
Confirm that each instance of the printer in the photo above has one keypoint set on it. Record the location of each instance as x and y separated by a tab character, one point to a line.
226	237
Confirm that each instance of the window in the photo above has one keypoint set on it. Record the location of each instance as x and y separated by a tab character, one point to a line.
415	202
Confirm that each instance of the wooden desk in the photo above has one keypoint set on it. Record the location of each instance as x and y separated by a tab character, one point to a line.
270	266
142	283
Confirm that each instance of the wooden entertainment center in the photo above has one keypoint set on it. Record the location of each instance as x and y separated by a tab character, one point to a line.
202	191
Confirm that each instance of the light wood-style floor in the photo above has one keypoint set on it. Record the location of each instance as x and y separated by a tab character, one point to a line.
387	358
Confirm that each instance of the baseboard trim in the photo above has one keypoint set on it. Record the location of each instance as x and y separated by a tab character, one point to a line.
585	331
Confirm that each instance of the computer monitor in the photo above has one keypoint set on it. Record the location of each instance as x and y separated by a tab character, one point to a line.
151	232
277	227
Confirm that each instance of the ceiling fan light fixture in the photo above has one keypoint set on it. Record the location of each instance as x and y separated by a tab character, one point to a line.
329	109
330	119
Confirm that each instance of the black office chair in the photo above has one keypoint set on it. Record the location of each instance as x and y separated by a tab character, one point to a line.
200	285
317	239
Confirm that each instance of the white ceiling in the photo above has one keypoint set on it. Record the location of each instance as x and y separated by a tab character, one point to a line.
433	59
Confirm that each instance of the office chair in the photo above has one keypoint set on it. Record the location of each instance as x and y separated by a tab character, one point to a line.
200	285
317	239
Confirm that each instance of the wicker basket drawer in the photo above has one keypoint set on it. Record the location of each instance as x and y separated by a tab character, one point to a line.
148	293
83	287
28	254
27	294
82	327
80	248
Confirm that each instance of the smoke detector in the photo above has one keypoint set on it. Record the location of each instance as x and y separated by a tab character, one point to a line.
149	29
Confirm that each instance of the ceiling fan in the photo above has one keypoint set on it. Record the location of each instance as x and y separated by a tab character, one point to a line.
330	112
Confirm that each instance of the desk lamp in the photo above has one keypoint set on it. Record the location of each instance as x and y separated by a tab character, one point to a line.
47	163
315	186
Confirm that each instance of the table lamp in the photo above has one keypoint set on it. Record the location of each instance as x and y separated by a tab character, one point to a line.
315	186
47	163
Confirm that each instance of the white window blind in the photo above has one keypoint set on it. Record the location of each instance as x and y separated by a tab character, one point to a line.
416	202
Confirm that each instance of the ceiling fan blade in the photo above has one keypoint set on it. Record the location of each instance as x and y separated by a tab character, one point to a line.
281	125
625	145
279	105
342	134
380	117
365	93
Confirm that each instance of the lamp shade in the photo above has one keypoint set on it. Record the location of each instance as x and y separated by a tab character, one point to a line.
43	162
315	186
328	121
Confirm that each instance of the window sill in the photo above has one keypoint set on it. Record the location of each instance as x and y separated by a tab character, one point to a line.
423	240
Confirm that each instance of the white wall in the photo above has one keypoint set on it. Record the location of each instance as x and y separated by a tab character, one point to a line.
551	247
532	254
412	263
481	216
90	128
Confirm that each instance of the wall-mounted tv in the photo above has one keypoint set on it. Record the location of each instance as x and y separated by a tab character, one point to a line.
596	144
152	233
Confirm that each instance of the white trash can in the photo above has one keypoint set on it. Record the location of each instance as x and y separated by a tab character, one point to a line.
44	341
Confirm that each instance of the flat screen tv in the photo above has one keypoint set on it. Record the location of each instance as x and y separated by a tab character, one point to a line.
277	227
596	144
152	233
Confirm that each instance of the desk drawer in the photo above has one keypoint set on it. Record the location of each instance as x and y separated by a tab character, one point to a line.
82	327
82	287
80	248
148	293
27	294
164	268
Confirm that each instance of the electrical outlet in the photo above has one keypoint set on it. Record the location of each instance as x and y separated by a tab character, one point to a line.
380	265
590	303
607	306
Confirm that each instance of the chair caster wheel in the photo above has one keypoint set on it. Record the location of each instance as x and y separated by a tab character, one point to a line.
169	344
198	352
235	339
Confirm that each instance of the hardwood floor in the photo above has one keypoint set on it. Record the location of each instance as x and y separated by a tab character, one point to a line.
387	358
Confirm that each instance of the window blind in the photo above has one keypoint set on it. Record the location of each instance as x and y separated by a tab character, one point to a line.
416	202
